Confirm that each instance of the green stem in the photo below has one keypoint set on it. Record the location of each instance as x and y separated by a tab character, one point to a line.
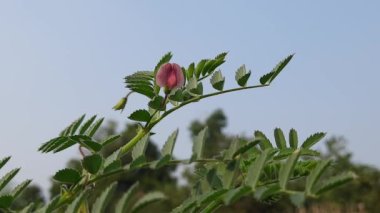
198	98
127	147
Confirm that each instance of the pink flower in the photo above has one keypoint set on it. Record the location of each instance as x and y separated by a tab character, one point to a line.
170	76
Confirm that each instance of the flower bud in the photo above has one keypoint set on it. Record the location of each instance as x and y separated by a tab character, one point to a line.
121	104
170	76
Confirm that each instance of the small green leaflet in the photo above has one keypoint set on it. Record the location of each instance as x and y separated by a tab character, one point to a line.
199	68
335	181
87	125
140	115
293	138
105	197
5	201
74	206
141	82
123	204
217	80
287	168
20	188
165	59
314	176
194	88
69	176
256	168
242	76
199	144
140	147
157	103
92	163
4	161
167	149
190	71
279	138
8	177
176	95
147	199
313	139
269	77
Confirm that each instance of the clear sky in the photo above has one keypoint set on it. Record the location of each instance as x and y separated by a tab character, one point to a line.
60	59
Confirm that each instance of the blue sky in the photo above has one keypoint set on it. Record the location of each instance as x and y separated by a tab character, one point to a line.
60	59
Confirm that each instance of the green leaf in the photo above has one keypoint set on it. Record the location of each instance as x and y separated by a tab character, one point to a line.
230	153
199	68
167	149
4	161
113	166
279	138
246	147
242	76
190	71
313	139
194	88
64	144
269	77
221	56
176	95
142	82
100	204
49	207
217	80
20	188
76	125
122	205
110	140
199	144
161	162
293	138
139	149
214	180
91	145
140	115
256	168
211	196
8	177
147	199
74	206
95	127
165	59
5	201
335	181
235	194
229	171
27	209
92	163
87	125
52	144
287	169
157	103
314	176
268	194
265	143
112	158
69	176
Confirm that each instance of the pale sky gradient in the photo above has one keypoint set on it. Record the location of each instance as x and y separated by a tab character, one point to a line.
60	59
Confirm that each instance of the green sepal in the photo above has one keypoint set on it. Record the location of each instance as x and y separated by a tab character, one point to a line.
242	76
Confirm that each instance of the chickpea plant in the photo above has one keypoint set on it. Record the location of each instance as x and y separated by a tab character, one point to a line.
256	167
